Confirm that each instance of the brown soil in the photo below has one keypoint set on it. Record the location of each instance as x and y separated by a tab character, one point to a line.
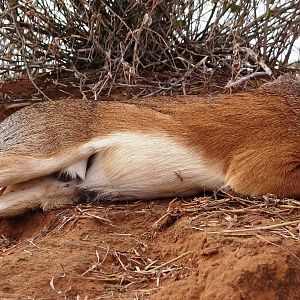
74	253
158	250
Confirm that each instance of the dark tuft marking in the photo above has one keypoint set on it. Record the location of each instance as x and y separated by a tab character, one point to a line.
90	161
86	196
64	177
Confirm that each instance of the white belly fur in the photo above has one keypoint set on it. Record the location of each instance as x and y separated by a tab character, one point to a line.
136	166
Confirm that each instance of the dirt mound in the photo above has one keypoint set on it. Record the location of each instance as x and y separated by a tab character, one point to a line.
151	250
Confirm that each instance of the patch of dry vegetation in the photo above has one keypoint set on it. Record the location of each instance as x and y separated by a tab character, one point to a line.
151	46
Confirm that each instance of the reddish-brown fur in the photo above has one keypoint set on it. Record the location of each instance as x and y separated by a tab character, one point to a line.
252	138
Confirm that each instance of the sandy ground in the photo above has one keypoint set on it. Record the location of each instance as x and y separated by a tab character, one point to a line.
146	250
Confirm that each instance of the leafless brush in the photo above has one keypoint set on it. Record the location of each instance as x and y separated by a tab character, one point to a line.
155	46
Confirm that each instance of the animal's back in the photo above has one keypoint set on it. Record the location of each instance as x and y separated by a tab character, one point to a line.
49	127
269	114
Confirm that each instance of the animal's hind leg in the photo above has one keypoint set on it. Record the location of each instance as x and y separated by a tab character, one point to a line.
46	192
258	173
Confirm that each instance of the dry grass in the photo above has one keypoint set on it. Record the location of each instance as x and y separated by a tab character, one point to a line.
217	215
226	214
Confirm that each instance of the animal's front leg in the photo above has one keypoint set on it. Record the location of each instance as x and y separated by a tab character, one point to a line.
46	192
